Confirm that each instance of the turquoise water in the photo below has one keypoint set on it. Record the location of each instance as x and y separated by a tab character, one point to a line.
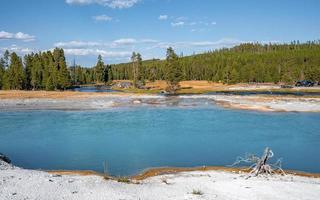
134	139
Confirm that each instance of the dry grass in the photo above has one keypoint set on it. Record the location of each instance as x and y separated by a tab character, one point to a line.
188	87
75	172
123	180
18	94
203	85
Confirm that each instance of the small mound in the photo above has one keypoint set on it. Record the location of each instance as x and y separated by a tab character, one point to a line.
5	165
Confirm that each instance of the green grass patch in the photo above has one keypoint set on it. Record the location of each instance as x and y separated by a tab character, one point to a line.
123	180
197	192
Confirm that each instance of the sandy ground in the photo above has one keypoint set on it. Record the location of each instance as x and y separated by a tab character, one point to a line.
16	183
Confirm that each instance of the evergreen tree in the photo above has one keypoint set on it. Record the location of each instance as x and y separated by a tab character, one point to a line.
5	65
60	70
49	64
99	70
28	61
6	58
16	74
36	73
63	73
234	76
136	61
173	71
1	72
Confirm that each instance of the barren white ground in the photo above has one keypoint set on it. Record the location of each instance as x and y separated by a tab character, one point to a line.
254	102
16	183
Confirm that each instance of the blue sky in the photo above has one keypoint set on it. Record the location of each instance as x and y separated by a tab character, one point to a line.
115	28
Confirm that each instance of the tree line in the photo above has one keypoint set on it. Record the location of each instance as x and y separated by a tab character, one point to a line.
249	62
40	71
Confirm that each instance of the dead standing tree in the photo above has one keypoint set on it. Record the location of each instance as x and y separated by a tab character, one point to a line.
260	165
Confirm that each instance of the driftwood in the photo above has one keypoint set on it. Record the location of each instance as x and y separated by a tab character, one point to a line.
260	165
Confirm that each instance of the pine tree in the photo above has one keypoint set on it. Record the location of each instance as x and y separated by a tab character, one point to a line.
48	68
50	84
173	71
2	71
36	73
63	73
226	75
99	70
6	57
16	73
28	61
234	76
60	70
137	69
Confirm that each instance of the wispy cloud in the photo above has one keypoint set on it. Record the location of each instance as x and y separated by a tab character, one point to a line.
163	17
181	19
132	41
95	52
16	36
18	49
104	18
125	41
107	3
196	25
82	48
78	44
226	42
177	24
119	49
119	43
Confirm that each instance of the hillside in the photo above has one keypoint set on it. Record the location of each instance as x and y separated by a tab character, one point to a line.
243	63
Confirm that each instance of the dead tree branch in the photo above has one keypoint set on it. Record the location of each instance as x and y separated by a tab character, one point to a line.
260	165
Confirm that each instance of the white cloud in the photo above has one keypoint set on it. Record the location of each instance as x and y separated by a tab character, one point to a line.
131	41
197	25
124	47
108	3
102	18
177	24
163	17
95	52
148	41
125	41
119	43
77	44
16	36
181	19
19	50
226	42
